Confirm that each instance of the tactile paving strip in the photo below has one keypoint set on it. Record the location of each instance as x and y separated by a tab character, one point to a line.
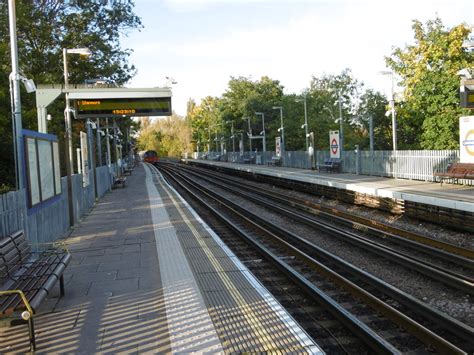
245	318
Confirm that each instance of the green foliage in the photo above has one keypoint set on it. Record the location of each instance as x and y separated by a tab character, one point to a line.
168	136
430	104
44	28
372	104
241	100
244	97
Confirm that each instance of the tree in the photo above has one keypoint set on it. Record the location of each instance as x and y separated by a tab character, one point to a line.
373	104
323	112
168	136
244	97
44	28
430	103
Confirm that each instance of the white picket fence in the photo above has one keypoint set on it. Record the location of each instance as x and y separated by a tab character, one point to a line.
402	164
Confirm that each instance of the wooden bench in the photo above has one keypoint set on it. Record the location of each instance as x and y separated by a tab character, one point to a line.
128	171
456	171
276	161
331	165
27	277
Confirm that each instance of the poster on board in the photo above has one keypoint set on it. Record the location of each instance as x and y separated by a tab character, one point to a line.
334	148
466	139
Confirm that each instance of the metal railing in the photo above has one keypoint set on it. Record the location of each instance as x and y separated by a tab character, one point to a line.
401	164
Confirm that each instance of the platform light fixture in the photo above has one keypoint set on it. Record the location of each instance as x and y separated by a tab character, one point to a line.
391	111
305	125
67	118
281	129
263	130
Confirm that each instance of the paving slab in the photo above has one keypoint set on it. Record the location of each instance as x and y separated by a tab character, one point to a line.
113	302
138	282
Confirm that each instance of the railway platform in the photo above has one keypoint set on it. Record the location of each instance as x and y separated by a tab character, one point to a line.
456	197
442	203
148	275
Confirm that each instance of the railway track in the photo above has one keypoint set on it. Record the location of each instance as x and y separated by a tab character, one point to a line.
461	279
458	255
325	277
447	218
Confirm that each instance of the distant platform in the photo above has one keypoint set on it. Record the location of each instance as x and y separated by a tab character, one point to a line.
455	197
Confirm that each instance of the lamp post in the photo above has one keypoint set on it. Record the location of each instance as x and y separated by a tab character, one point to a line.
209	141
282	129
232	135
249	133
99	145
311	149
392	108
341	125
67	118
305	119
263	130
16	101
81	51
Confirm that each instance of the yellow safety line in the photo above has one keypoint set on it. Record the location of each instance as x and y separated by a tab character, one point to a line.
247	311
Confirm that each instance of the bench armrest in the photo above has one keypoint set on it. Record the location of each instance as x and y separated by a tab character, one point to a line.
23	298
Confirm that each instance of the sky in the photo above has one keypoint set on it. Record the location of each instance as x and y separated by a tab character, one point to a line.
203	43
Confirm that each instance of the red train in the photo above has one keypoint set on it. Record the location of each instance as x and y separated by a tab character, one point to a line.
150	156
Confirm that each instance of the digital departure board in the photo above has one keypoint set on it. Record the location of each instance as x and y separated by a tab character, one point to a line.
123	107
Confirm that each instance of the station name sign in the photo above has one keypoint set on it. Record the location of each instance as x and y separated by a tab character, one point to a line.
123	107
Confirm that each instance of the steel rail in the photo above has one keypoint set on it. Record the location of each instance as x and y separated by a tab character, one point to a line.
418	330
451	324
458	255
444	276
435	243
360	329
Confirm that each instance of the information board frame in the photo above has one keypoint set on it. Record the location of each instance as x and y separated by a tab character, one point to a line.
41	169
122	107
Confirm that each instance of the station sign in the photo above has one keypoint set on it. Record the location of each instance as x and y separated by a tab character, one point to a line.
123	107
466	139
334	146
